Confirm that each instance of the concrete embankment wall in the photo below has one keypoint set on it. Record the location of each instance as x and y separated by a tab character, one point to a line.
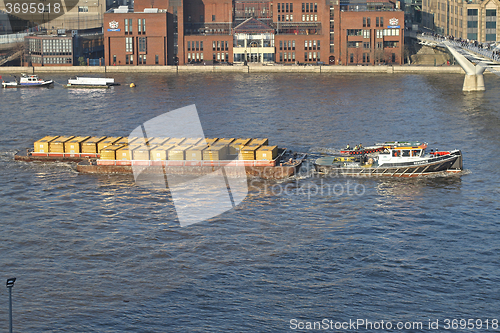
236	69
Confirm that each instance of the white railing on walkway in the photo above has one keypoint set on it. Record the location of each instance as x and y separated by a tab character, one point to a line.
471	46
13	38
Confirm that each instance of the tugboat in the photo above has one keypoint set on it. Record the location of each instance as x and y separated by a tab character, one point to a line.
27	81
403	159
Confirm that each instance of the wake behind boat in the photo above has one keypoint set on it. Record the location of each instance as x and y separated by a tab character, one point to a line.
27	81
406	159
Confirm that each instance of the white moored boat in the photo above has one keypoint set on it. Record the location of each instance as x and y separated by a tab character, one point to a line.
90	82
27	81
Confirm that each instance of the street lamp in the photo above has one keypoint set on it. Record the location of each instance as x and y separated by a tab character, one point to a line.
10	284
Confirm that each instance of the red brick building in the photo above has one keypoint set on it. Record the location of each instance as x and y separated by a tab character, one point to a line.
366	33
200	31
135	38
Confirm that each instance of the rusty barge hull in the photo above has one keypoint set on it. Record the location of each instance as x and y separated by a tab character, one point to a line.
264	172
87	164
62	157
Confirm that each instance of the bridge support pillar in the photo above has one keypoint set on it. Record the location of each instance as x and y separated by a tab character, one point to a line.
473	82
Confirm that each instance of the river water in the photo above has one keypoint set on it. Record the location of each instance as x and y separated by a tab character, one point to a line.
101	254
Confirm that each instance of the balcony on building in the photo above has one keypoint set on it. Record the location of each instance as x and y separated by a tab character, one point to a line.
253	42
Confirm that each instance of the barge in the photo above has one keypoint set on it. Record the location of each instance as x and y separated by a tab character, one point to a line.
176	156
407	159
90	82
283	167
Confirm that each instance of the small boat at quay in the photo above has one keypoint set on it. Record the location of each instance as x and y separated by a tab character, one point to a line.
398	159
90	82
27	81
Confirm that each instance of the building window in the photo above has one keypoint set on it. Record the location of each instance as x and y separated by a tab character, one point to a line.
291	8
281	45
491	12
189	45
213	46
491	37
143	26
303	7
139	26
279	8
126	26
351	58
114	59
471	24
143	44
213	18
472	12
315	7
491	25
197	45
83	9
201	46
366	45
129	45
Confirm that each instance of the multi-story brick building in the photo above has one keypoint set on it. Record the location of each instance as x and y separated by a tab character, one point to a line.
473	20
135	38
366	33
201	31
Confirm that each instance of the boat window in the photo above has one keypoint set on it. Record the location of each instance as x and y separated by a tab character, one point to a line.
395	153
405	153
415	153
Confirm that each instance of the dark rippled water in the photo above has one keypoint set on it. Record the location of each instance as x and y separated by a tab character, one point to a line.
100	254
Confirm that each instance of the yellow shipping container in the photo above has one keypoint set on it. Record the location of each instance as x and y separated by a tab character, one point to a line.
178	153
191	141
90	146
109	152
142	152
215	153
267	153
74	146
210	141
42	145
225	141
248	152
160	153
236	145
262	142
175	141
57	145
109	141
195	153
157	141
127	141
125	153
